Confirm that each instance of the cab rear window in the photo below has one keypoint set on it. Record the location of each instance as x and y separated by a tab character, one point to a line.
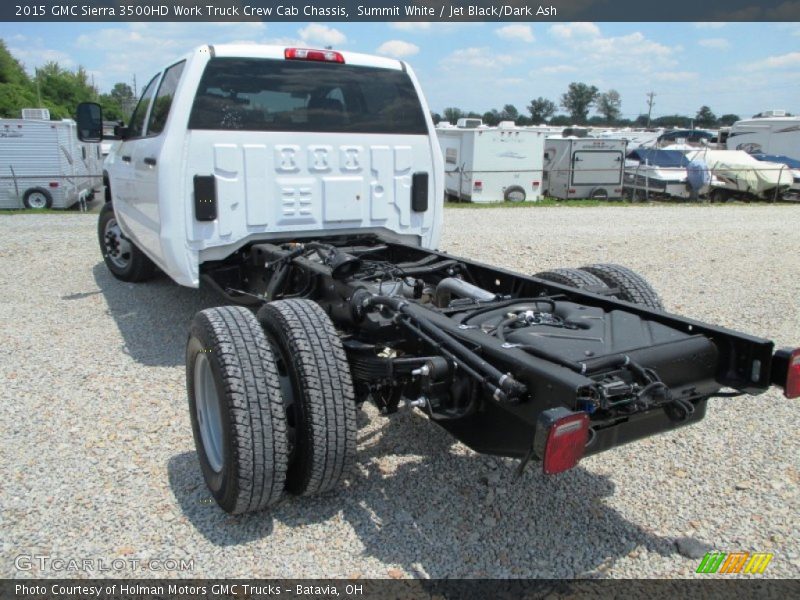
281	95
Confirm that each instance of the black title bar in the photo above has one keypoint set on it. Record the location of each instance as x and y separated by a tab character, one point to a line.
381	589
401	10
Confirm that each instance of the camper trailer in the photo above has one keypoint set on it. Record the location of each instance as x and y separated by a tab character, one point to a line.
43	165
492	164
771	135
583	167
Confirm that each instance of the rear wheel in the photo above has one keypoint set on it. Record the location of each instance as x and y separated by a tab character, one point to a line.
37	198
632	286
236	409
125	261
573	278
318	394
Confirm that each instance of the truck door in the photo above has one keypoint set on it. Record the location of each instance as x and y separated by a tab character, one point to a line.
124	192
145	154
597	167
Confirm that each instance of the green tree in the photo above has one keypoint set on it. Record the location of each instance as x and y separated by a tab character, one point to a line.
672	121
509	113
63	90
705	118
16	89
578	98
491	117
609	105
541	110
728	120
452	114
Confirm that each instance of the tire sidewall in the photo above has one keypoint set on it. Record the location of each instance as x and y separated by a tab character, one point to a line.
106	214
302	455
222	484
37	190
510	190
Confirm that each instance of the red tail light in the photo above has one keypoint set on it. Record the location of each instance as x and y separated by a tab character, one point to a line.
561	437
478	186
309	54
534	184
53	184
792	388
571	191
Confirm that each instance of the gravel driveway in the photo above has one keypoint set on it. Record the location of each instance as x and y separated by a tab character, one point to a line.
97	458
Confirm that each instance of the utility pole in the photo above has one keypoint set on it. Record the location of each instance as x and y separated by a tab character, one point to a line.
650	104
134	86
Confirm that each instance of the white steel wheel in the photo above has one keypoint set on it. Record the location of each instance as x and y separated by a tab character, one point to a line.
209	415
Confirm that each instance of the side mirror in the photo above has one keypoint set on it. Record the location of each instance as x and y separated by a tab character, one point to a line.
90	122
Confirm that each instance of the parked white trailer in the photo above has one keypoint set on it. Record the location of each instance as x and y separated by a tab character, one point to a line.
773	135
43	165
583	167
492	164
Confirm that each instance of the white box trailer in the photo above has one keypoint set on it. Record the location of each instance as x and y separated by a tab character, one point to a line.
774	135
583	167
492	164
43	165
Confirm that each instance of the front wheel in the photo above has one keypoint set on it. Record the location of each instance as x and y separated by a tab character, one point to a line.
632	286
125	261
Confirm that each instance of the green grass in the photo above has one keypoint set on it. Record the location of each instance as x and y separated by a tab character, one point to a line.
542	202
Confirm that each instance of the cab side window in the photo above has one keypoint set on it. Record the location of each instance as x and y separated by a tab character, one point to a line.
136	126
163	101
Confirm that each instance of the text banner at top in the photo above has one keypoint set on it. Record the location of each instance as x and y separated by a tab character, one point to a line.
405	10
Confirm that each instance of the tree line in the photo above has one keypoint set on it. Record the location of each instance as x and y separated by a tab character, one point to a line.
577	101
57	89
61	90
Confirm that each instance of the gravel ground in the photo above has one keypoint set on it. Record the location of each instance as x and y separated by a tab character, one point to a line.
98	460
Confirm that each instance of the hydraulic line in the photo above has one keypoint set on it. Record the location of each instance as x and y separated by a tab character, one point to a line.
504	384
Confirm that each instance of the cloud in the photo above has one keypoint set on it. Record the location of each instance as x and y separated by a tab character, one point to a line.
397	48
553	69
516	32
34	54
712	25
411	26
148	45
510	81
715	43
675	76
479	58
322	34
792	59
574	30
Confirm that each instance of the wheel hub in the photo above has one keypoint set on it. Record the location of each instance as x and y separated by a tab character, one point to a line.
116	245
208	411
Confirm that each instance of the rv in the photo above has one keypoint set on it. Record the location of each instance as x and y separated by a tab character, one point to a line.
492	164
43	165
583	168
772	135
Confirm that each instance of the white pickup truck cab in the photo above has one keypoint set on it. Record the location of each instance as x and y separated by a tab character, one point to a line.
240	143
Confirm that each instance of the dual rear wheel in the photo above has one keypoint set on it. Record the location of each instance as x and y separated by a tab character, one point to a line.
271	401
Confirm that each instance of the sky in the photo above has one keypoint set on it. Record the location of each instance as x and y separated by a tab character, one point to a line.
738	68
